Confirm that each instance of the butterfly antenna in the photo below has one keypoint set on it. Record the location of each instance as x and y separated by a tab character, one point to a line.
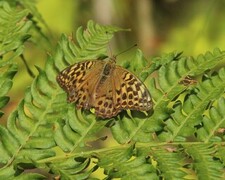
125	50
109	45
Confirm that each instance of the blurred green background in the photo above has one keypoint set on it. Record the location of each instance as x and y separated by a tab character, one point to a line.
157	26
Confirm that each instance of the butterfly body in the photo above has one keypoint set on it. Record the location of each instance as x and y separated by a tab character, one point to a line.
104	86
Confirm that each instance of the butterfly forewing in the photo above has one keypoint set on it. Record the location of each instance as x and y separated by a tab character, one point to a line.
86	91
74	78
104	86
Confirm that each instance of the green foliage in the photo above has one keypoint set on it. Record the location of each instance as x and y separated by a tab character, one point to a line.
127	162
188	114
170	162
13	34
213	124
203	162
6	75
14	31
181	138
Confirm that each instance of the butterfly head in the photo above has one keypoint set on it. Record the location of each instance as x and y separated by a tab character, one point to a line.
112	59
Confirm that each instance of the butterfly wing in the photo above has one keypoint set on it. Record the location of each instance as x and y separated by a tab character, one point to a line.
129	91
104	86
120	90
78	81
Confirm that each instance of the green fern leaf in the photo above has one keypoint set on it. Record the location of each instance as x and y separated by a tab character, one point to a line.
31	6
6	76
29	135
164	59
128	163
204	164
170	162
78	130
71	169
7	172
187	116
13	21
220	155
168	87
211	124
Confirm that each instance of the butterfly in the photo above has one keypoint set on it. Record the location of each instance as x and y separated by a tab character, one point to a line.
104	86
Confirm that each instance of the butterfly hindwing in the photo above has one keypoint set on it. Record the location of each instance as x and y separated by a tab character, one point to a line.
130	92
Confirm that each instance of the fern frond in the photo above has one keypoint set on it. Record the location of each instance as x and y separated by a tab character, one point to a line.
187	116
78	131
164	59
127	163
13	34
44	117
72	168
91	43
163	90
220	155
171	74
6	76
31	6
4	174
29	133
203	162
212	127
14	31
170	162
